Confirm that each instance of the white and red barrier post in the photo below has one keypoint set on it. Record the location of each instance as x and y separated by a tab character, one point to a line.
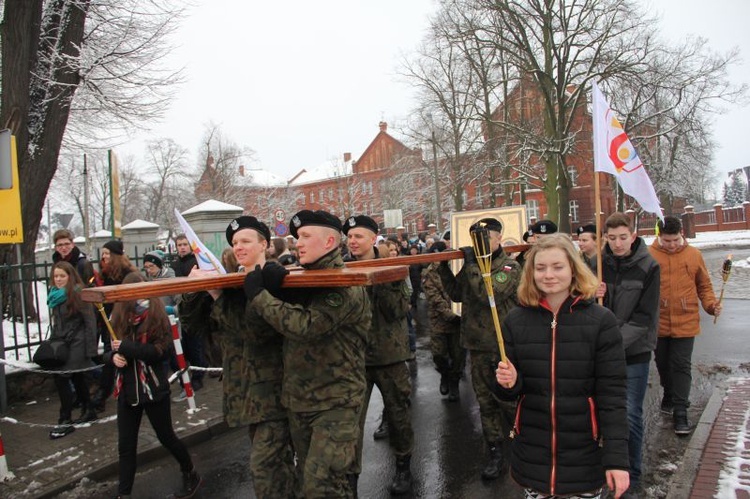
5	473
181	363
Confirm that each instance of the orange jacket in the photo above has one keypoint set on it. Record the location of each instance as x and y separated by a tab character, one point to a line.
684	281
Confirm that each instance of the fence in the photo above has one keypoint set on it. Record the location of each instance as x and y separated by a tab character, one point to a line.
23	331
716	219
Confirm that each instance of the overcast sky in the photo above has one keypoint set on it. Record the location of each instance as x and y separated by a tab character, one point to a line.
301	82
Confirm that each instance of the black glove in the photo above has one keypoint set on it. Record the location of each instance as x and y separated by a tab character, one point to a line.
468	252
254	283
273	277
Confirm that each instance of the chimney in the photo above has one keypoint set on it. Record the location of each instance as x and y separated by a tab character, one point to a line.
383	126
347	157
242	170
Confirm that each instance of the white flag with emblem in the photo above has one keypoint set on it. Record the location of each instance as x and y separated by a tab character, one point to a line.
206	260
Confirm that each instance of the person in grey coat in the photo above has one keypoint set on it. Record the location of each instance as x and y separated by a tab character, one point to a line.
73	320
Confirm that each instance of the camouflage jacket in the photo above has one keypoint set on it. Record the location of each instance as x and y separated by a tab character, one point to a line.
326	335
477	327
439	310
388	338
252	358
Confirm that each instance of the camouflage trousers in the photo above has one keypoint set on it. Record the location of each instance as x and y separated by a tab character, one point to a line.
325	443
272	460
447	354
394	384
496	415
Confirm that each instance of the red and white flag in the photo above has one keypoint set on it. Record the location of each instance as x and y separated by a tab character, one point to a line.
614	154
206	260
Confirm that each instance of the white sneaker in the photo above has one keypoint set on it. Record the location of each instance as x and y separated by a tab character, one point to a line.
179	398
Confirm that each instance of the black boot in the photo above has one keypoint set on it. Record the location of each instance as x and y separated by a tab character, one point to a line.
453	394
494	466
87	414
382	430
191	482
681	423
444	384
402	481
353	479
98	400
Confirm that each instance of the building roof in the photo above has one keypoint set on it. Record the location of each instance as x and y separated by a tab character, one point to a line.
262	178
140	224
211	205
329	169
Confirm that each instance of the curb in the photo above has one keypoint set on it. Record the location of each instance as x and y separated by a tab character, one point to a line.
146	454
681	484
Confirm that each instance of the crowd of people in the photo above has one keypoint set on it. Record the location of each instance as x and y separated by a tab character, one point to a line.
563	408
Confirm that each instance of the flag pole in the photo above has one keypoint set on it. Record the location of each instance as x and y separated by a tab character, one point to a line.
598	221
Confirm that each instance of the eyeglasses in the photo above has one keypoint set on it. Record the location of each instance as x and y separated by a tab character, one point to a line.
63	245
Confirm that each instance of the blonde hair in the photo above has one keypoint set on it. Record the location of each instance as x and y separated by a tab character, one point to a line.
584	282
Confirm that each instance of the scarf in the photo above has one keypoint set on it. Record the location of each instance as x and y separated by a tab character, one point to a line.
56	296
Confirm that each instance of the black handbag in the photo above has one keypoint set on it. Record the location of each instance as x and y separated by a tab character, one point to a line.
52	353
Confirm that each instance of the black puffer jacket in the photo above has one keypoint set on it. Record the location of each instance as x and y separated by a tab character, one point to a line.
571	422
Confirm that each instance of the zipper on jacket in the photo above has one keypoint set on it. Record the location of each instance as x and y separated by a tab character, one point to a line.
594	424
553	402
516	430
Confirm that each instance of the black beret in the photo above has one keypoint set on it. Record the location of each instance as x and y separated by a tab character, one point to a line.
155	258
544	227
437	247
318	217
361	221
527	235
247	222
115	246
488	223
586	228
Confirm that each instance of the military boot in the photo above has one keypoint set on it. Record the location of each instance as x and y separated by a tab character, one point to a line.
87	414
444	384
191	482
402	481
382	431
453	394
494	466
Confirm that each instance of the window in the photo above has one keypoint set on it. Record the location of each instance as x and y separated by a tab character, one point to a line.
321	195
478	196
573	175
532	209
312	197
330	193
574	210
364	187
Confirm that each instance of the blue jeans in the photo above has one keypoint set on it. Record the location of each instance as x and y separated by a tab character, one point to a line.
637	384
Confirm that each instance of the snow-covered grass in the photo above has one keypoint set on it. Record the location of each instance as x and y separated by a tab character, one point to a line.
36	329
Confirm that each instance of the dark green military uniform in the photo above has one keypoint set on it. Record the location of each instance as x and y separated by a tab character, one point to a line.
445	339
324	376
252	377
387	353
478	333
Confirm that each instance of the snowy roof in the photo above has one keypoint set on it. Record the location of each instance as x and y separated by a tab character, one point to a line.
262	178
79	240
211	205
329	169
102	233
140	224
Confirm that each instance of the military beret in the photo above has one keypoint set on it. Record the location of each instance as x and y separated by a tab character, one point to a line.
361	221
318	217
488	223
586	228
527	235
154	257
115	246
247	222
437	247
544	227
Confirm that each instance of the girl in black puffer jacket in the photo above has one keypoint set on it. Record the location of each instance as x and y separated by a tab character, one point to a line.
566	366
144	338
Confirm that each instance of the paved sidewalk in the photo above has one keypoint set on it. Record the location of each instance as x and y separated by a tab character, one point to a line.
45	467
717	460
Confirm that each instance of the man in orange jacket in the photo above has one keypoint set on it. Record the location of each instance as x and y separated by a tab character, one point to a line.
684	282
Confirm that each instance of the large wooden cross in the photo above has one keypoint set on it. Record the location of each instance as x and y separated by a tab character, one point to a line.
359	273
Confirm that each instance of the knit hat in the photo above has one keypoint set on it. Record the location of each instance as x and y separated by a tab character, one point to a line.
115	246
156	257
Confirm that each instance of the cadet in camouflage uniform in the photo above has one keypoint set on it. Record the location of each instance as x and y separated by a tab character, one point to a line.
387	353
479	337
445	338
252	365
324	356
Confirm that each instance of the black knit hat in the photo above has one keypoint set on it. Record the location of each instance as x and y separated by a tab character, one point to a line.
487	223
586	228
361	221
247	222
115	246
318	217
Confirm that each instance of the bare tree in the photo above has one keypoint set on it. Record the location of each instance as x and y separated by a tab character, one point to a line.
220	159
168	169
